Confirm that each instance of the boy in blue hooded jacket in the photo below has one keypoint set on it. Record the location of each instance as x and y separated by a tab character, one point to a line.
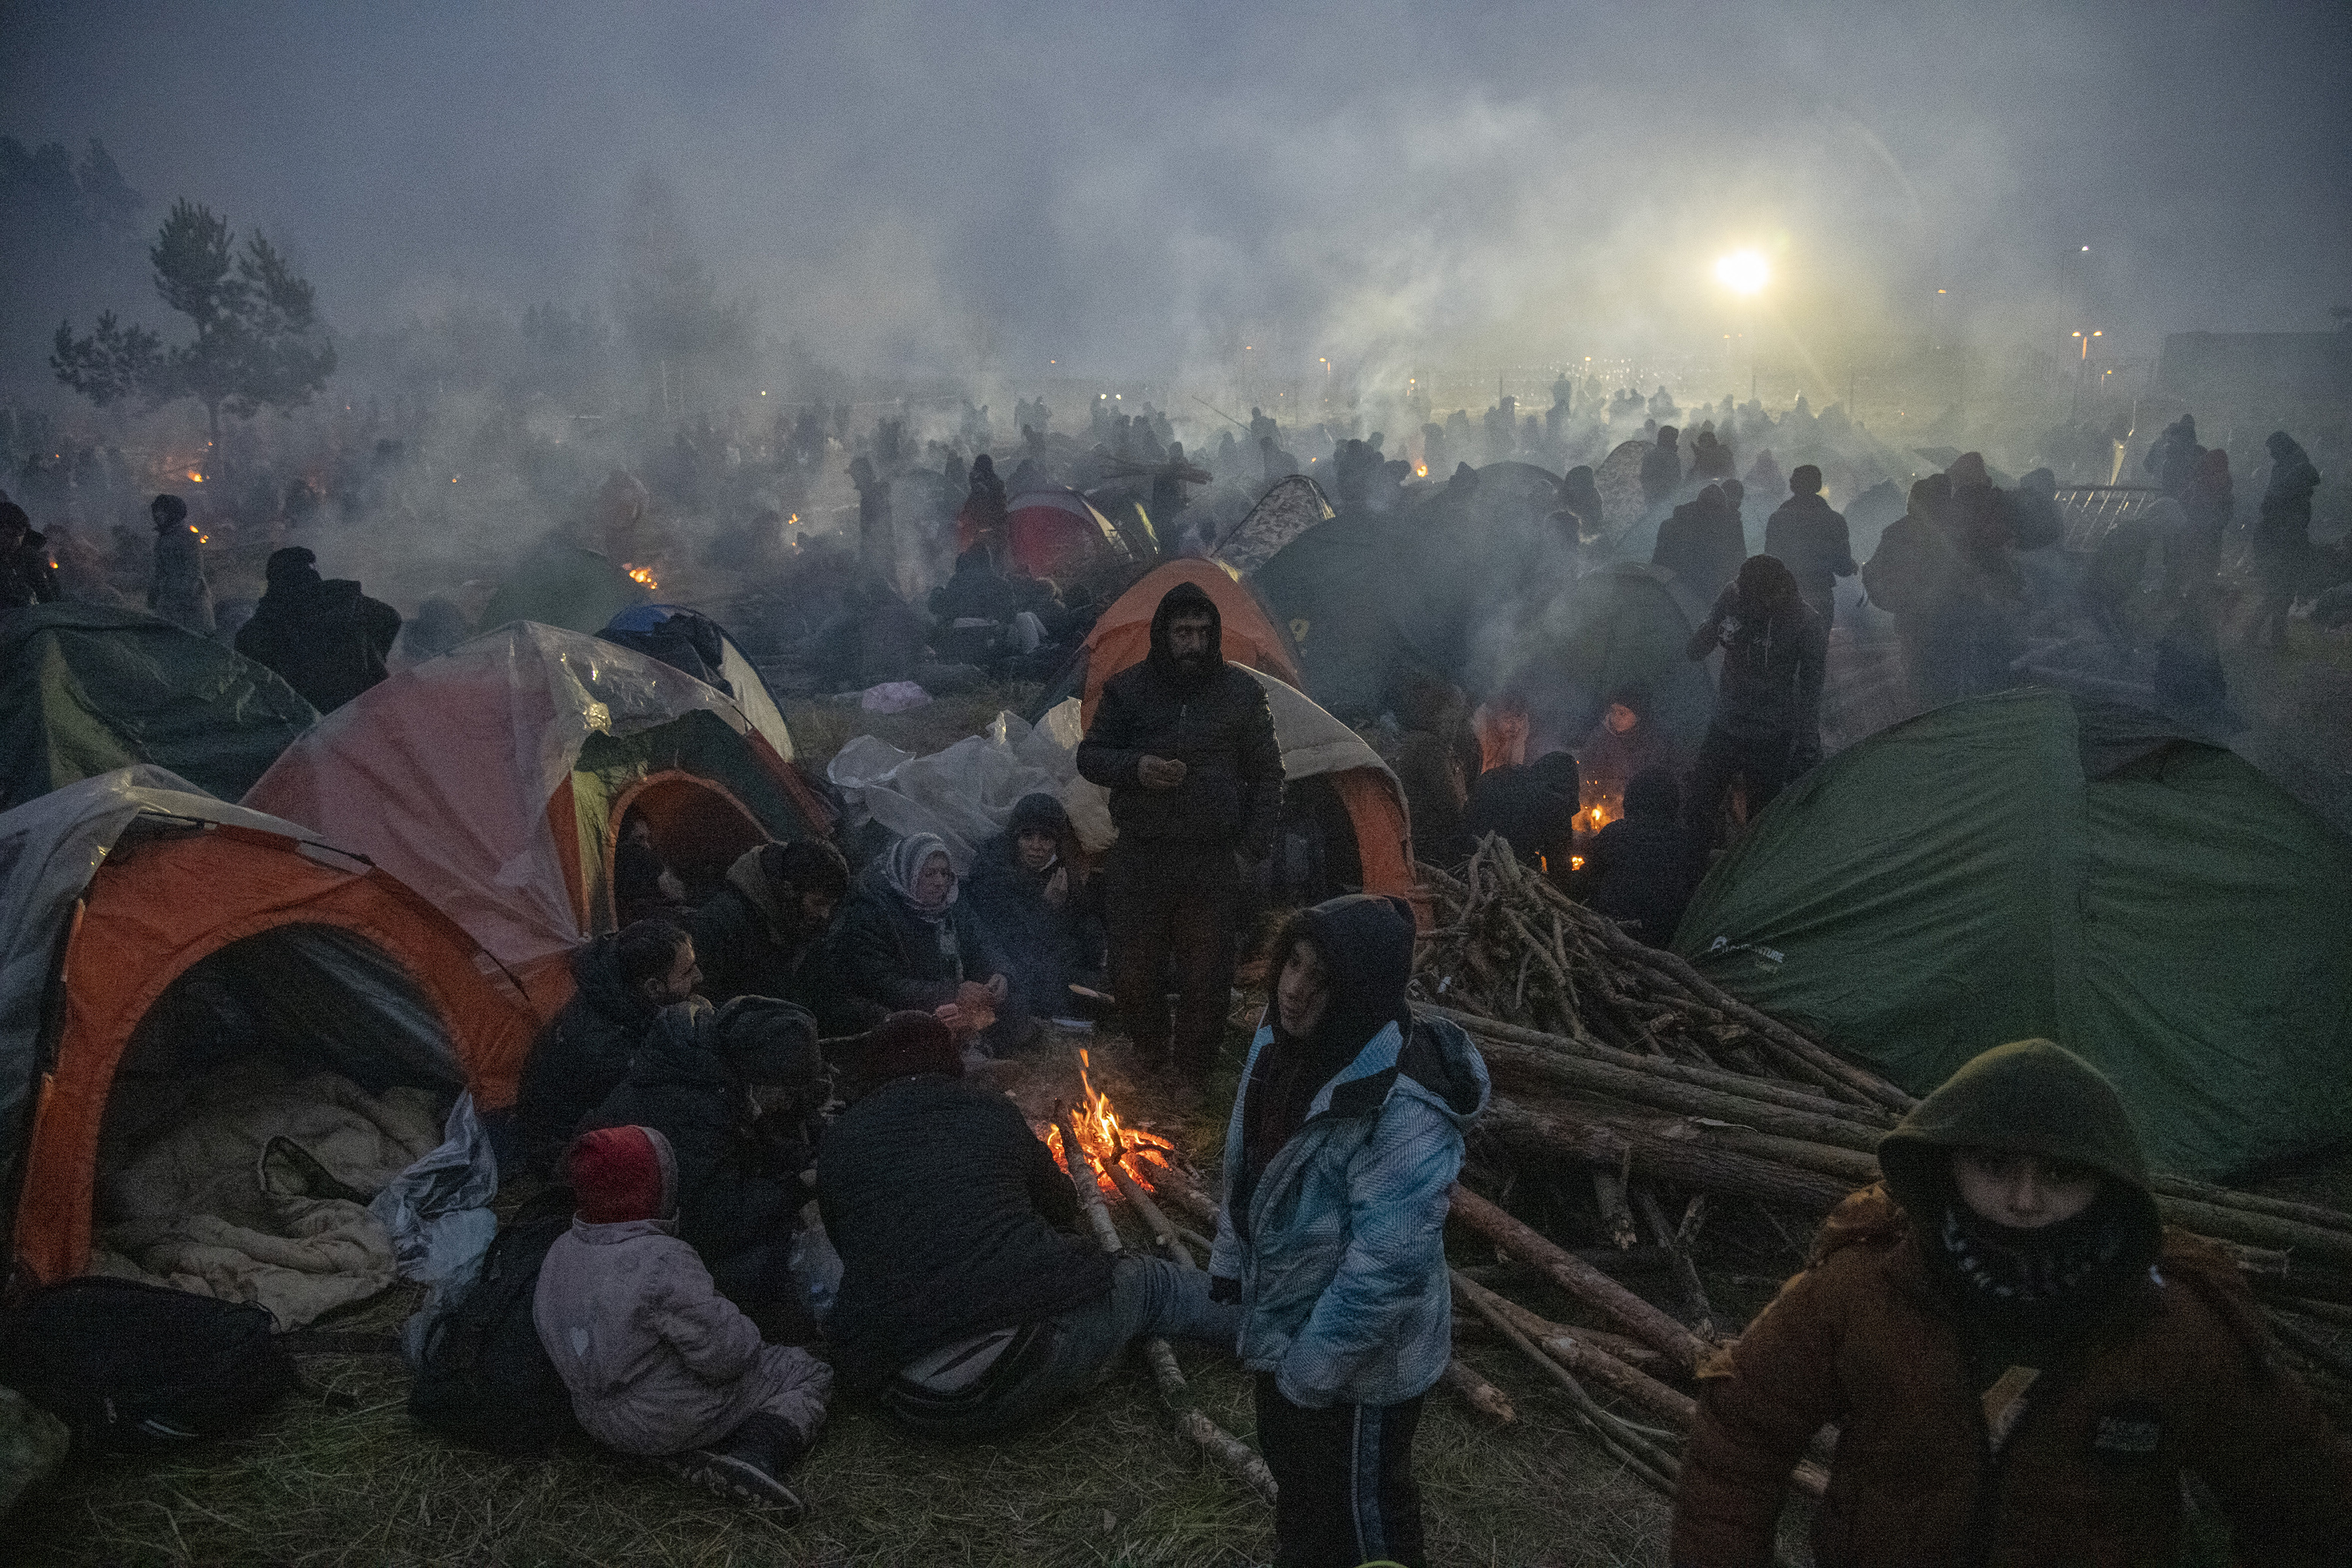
1345	1137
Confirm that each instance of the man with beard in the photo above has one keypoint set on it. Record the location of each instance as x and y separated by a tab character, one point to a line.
762	934
1185	744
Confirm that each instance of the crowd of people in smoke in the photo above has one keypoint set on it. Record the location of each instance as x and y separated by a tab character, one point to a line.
813	1021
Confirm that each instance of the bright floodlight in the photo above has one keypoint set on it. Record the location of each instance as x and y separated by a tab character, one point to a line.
1742	272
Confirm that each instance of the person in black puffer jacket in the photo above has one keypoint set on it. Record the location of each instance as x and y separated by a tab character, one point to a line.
1036	904
972	1301
1185	744
1533	807
908	942
762	934
622	980
1642	869
699	1078
327	639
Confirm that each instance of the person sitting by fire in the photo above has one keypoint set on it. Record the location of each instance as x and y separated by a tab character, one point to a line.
28	575
736	1091
1642	869
1767	727
908	942
1345	1137
658	1361
2023	1364
621	982
971	1301
1627	741
763	933
1533	805
1030	889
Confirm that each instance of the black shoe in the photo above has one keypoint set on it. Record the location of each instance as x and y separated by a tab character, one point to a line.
738	1476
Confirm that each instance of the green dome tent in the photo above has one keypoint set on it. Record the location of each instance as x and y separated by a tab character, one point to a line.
2031	864
86	689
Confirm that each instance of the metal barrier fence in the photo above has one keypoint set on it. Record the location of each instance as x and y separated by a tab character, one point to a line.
2092	509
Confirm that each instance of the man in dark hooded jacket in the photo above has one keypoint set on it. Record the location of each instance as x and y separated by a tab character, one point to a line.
1642	869
2024	1364
1038	908
622	982
1809	539
326	637
736	1091
1766	725
763	933
1185	744
1702	542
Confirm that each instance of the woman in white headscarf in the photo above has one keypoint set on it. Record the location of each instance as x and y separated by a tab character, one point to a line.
905	941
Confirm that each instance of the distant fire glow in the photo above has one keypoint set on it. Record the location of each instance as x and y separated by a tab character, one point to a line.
194	477
1743	272
641	575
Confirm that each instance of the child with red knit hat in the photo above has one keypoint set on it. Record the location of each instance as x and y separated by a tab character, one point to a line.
658	1363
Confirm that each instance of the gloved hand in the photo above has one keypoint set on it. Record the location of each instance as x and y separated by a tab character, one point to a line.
1225	1291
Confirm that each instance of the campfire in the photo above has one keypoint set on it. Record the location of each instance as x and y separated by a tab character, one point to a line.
1104	1140
641	574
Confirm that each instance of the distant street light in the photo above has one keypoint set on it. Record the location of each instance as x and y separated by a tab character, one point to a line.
1743	272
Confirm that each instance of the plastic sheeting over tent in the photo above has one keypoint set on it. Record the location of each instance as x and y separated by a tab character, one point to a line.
115	887
1122	635
1288	508
494	779
744	682
86	689
2027	864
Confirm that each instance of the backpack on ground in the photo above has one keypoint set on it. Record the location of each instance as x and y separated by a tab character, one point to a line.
126	1364
484	1378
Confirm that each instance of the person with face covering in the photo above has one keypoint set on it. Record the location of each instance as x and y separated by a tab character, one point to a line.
972	1301
658	1361
1344	1141
908	942
621	982
735	1089
327	639
1185	744
1806	535
1766	728
177	591
2024	1365
1029	888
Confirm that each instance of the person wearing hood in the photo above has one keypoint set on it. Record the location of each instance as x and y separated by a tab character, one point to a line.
2282	541
1344	1142
658	1363
1185	744
1766	725
908	941
1627	742
1810	538
1030	889
178	591
1914	576
1579	494
1642	869
621	982
28	575
327	639
1532	804
762	934
2024	1365
1702	544
1662	469
2173	456
736	1091
972	1301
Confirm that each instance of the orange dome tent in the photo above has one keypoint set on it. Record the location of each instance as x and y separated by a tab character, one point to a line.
1123	635
135	901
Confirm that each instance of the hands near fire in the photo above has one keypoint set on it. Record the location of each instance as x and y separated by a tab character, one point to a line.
973	1009
1160	772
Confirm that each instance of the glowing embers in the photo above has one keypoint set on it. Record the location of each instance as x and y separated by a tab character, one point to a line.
1103	1138
641	575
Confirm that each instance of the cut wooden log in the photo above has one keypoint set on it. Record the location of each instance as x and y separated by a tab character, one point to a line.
1685	1273
1580	1279
1477	1392
1692	1163
1609	1195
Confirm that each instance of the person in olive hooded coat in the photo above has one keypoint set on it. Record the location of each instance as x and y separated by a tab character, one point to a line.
2023	1364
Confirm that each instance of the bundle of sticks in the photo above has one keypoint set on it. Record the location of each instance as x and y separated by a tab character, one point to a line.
1624	1060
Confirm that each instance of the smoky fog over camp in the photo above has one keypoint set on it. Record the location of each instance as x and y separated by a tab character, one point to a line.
1274	783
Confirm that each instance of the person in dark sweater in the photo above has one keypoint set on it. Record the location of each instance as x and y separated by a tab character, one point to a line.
1038	907
908	942
736	1091
1185	744
970	1302
762	934
1642	869
1531	804
621	980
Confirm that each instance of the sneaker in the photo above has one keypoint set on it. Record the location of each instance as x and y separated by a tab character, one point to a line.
737	1477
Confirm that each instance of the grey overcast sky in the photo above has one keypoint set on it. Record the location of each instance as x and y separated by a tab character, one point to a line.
1125	187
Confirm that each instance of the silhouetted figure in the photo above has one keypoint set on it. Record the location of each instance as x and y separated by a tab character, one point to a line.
1766	726
1581	495
1533	805
2173	458
1702	544
326	637
2281	542
1809	539
1710	458
178	591
1642	869
1662	469
27	577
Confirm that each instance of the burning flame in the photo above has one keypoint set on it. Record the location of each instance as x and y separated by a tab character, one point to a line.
1102	1137
1421	470
1598	820
194	477
640	574
1576	862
